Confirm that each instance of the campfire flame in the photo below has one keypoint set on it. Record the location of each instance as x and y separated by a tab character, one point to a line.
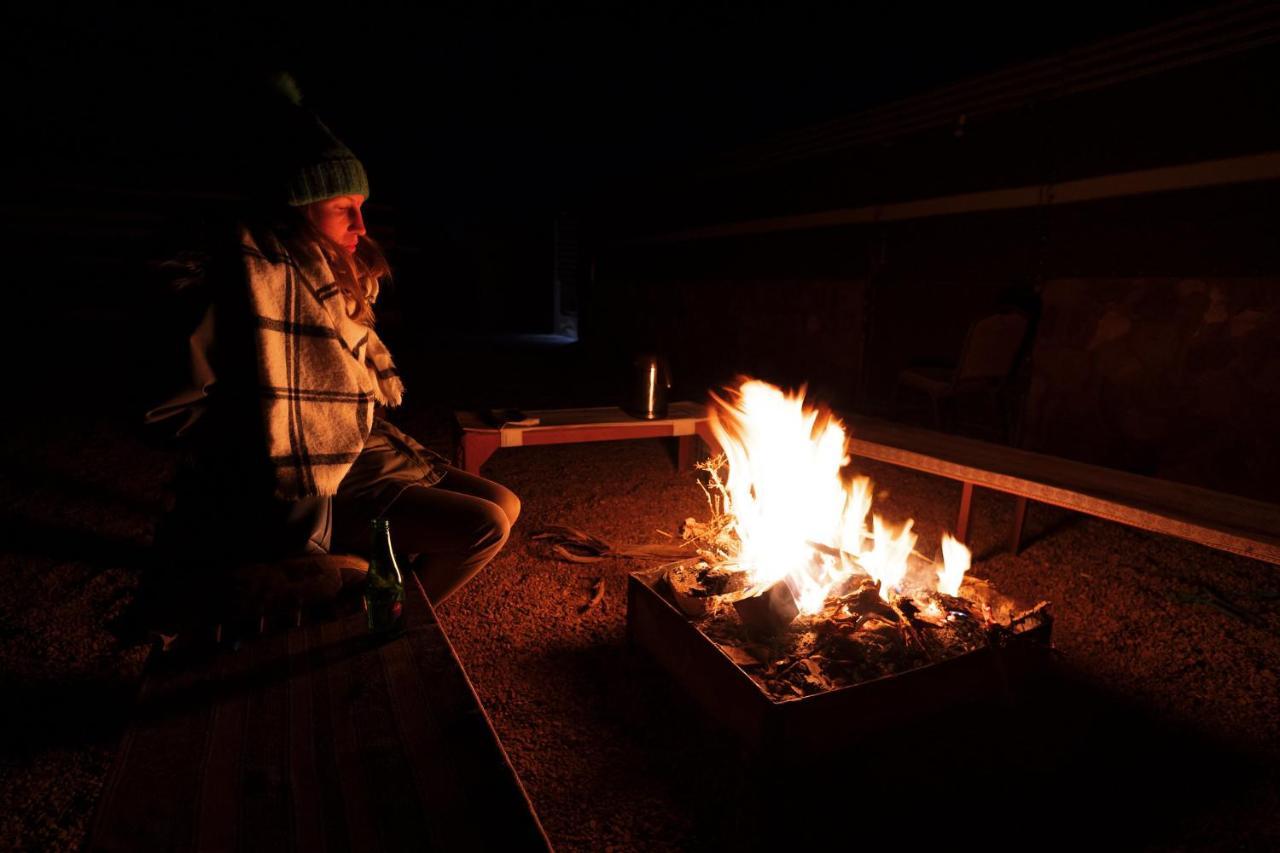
955	559
796	518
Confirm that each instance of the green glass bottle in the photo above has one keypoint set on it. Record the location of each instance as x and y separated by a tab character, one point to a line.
384	585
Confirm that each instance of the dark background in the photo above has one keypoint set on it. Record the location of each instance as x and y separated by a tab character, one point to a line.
478	122
511	147
464	110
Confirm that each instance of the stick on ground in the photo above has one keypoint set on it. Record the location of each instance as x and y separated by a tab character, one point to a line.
597	593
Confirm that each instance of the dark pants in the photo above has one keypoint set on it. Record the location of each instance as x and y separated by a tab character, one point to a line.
450	530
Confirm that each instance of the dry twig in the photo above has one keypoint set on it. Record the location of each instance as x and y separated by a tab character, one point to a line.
597	594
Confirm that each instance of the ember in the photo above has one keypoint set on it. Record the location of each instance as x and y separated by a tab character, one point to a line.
792	583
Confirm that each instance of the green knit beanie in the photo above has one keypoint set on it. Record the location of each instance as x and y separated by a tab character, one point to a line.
312	163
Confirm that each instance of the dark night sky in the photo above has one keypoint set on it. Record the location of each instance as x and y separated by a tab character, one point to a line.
496	107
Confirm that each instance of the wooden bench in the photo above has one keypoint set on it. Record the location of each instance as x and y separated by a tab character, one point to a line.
685	422
1226	522
316	738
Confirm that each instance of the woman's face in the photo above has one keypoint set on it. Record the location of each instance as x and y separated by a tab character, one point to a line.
339	219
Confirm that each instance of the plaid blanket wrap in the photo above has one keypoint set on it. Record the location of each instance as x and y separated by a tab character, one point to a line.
319	371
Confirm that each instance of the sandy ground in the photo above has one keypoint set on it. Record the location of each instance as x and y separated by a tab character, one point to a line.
1160	729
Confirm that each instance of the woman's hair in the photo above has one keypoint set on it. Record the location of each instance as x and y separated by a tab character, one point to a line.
350	270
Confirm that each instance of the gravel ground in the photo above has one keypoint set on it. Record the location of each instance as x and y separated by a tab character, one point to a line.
1159	730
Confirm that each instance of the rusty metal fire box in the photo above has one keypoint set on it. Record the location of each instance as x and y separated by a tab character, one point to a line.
812	725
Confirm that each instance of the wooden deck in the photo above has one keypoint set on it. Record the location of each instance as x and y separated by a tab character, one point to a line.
318	738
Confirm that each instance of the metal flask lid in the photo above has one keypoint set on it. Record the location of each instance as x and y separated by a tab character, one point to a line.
653	383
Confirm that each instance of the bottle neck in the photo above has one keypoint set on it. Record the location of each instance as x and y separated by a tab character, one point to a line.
381	531
382	557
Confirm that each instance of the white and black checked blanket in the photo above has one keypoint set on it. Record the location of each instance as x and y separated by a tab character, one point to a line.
320	372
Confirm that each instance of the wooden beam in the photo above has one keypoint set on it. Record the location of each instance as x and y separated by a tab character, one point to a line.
1203	36
1209	173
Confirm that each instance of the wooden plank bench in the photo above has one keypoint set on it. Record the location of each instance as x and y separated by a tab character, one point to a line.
684	422
1226	522
316	738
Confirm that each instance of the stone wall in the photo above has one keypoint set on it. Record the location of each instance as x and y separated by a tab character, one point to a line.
1174	378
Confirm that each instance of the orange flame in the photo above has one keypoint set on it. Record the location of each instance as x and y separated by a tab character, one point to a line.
784	492
955	560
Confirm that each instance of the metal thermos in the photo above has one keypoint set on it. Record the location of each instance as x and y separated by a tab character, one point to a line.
652	379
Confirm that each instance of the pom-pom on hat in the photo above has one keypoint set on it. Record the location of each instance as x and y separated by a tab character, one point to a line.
311	164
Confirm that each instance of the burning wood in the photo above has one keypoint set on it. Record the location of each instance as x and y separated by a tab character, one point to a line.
768	612
693	587
820	598
856	637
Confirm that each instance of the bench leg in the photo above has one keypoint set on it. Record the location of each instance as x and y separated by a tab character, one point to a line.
477	447
1015	535
685	451
962	522
709	443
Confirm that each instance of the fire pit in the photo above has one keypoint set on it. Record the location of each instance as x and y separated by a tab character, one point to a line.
814	724
795	622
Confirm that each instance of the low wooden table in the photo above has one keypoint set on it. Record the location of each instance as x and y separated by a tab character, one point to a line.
685	422
318	738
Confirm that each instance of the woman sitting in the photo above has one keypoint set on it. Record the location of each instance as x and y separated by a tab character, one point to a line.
286	451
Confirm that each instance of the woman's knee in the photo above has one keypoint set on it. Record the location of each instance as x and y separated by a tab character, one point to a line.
494	525
485	489
510	505
502	497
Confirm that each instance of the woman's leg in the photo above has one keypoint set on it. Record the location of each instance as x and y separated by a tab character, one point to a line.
455	527
457	480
